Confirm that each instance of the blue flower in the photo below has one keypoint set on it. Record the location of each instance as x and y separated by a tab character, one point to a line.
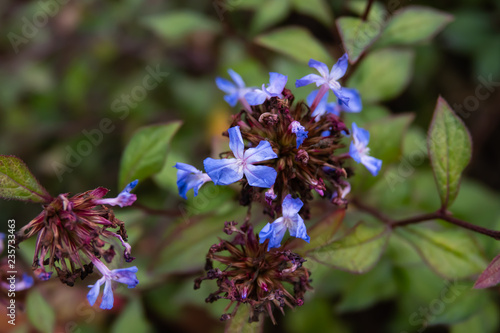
290	220
125	198
124	275
299	131
327	80
276	85
359	150
230	170
23	283
235	91
188	177
323	107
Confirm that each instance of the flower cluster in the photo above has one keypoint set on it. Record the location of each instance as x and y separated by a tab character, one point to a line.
292	150
75	233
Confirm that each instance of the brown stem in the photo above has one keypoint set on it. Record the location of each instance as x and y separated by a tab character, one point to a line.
367	10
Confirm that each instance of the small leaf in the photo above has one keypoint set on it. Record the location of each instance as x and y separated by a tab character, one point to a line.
451	253
295	42
490	276
176	25
358	251
40	313
239	323
317	9
321	233
383	74
17	182
146	152
413	24
357	35
270	13
450	150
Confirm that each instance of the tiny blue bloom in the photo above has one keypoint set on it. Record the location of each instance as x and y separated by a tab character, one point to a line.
235	91
124	275
230	170
23	283
290	220
276	85
125	198
299	131
359	150
188	177
323	107
327	79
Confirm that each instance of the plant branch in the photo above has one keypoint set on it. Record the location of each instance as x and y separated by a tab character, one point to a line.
367	10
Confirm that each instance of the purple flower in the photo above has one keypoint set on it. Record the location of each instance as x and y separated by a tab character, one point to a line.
299	131
235	91
359	150
229	170
124	275
327	79
276	85
125	198
188	177
323	107
290	220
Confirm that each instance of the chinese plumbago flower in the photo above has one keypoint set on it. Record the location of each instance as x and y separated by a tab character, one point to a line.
275	87
254	276
359	150
323	106
188	177
229	170
123	275
290	220
23	283
234	91
327	80
71	230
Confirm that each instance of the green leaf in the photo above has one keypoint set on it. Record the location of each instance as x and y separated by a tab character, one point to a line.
383	74
321	233
132	319
295	42
270	13
358	251
357	35
239	323
146	152
17	182
40	313
485	321
386	137
413	24
317	9
450	150
451	253
176	25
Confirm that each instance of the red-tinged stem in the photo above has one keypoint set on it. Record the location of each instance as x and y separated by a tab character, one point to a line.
245	104
367	10
322	91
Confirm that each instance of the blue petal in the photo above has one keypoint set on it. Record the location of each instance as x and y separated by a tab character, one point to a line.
372	164
308	79
232	99
130	186
107	296
266	233
224	171
236	142
262	152
353	152
236	78
25	282
300	132
360	135
340	95
354	100
187	178
339	69
256	97
291	206
298	228
126	276
260	175
319	66
94	291
186	167
225	85
274	232
277	83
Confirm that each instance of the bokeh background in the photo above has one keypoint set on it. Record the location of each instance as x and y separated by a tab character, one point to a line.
61	76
